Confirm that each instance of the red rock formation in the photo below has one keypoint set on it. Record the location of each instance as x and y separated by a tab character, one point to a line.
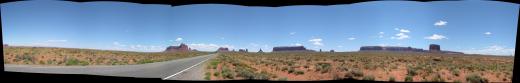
222	49
435	48
181	48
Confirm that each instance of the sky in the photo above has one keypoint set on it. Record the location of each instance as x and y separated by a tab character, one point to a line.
473	27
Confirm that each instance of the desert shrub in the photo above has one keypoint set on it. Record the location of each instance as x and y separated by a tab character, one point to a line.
370	66
411	71
41	62
391	79
474	78
245	73
323	67
71	61
299	72
214	63
226	73
437	78
208	76
357	72
291	70
216	74
144	61
457	81
408	78
285	68
261	76
369	77
455	72
25	57
282	79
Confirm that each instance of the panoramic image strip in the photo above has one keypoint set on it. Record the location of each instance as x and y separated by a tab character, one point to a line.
386	41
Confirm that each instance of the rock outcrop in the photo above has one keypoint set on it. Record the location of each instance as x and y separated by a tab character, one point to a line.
390	48
222	49
181	48
289	49
435	48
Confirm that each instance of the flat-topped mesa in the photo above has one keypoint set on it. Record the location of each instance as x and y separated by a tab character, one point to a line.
181	48
434	48
290	49
390	48
242	50
222	49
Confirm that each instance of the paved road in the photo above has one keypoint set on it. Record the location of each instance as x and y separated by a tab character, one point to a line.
170	70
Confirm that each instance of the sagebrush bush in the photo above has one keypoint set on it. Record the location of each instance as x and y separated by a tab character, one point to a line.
474	78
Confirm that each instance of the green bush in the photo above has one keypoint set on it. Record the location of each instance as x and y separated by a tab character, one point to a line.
357	72
369	77
474	78
144	61
208	76
391	79
455	72
299	72
72	61
323	67
282	79
411	71
226	73
437	78
216	74
408	78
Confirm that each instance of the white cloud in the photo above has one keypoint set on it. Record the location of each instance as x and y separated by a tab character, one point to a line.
339	46
136	47
492	50
440	23
381	34
404	31
401	35
178	39
316	42
351	38
254	44
296	44
488	33
435	37
56	41
208	47
292	33
118	44
46	43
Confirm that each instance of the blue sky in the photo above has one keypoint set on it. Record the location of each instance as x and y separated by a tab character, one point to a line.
479	27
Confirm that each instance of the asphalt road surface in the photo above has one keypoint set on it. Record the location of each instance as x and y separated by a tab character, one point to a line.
179	69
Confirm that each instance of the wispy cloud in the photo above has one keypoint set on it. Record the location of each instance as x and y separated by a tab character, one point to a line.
402	34
56	41
208	47
136	47
292	33
492	50
440	23
316	41
296	44
435	37
381	34
488	33
178	39
351	38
